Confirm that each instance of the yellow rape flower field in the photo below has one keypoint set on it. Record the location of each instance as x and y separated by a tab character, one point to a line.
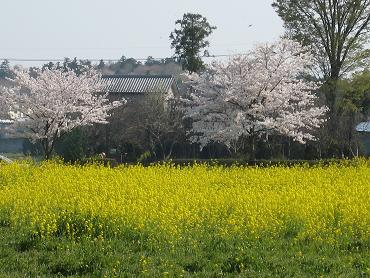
203	221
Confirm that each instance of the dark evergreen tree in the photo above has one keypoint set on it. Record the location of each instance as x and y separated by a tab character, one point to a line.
151	61
5	71
190	39
49	66
101	65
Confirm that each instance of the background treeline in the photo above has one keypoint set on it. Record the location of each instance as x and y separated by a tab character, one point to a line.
144	131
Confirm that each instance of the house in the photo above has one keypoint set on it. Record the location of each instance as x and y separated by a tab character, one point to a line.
126	124
363	129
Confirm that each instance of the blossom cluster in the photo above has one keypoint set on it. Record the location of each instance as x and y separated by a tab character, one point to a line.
260	93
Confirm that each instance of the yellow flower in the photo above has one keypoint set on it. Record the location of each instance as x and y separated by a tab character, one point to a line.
169	203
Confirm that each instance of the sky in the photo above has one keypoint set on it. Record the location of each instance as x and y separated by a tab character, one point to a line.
108	29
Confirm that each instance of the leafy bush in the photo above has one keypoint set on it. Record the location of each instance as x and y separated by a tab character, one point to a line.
73	147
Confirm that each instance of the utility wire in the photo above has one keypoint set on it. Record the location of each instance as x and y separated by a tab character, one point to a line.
107	60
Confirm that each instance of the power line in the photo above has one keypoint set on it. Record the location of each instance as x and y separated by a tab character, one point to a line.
106	60
62	60
109	48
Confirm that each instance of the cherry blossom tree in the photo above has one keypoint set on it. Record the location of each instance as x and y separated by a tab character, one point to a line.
256	94
48	104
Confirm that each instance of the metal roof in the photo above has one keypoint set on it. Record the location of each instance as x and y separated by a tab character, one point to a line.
363	127
5	159
6	121
138	83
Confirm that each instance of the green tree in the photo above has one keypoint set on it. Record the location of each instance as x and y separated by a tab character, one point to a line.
190	39
49	66
151	61
101	65
77	66
336	30
351	105
354	95
5	71
124	65
73	146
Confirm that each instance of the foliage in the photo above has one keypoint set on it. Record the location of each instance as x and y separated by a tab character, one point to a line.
358	95
73	146
337	31
161	121
144	157
195	220
150	122
32	149
253	95
151	66
190	39
5	71
77	66
55	102
350	102
129	152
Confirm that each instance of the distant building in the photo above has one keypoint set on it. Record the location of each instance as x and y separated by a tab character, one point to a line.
125	122
9	144
363	129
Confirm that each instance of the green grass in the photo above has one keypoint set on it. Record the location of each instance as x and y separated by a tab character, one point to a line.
133	256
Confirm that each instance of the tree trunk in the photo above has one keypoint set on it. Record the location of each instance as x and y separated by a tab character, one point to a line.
253	147
46	149
319	152
168	156
163	150
335	71
47	155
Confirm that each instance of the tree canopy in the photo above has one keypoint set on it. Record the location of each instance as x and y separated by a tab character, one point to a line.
336	30
190	39
255	94
55	102
5	71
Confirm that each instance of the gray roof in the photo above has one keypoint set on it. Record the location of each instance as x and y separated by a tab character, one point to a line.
138	83
5	159
2	121
363	127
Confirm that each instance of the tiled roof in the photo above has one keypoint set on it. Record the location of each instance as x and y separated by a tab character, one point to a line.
363	127
6	121
5	159
138	83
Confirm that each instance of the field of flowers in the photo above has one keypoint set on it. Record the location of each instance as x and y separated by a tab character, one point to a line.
167	206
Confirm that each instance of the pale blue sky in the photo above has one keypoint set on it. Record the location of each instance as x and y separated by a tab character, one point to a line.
46	29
